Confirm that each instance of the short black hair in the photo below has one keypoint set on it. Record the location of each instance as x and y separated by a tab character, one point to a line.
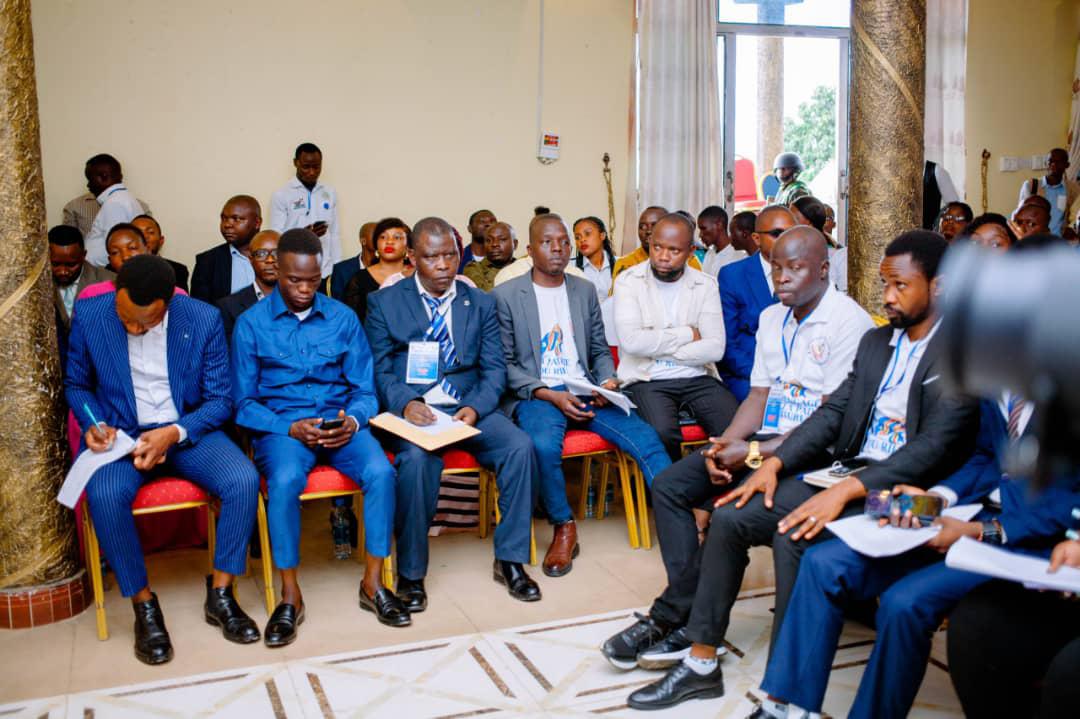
65	236
147	278
744	220
299	241
989	218
306	147
813	210
433	226
147	217
1036	201
965	208
124	227
472	217
105	159
925	247
541	210
390	223
683	217
713	212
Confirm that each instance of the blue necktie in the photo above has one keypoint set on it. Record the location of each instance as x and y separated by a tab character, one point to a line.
439	332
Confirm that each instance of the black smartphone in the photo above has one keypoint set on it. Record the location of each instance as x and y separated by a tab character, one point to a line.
333	423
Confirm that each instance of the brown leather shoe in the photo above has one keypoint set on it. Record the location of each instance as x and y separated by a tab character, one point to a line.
559	559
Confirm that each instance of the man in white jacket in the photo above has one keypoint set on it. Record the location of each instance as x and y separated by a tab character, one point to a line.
671	334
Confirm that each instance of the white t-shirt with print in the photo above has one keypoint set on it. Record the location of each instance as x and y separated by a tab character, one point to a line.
558	353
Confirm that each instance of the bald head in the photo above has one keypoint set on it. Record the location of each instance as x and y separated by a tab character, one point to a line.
800	268
267	236
768	225
241	218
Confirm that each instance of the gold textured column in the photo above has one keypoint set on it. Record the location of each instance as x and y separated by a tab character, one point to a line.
37	537
886	166
770	102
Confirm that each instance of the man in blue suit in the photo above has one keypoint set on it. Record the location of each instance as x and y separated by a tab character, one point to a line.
916	589
436	343
155	366
745	290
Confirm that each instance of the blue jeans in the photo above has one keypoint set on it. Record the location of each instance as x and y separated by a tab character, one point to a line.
546	425
285	462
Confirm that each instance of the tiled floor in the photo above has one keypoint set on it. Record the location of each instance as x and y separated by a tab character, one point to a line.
463	657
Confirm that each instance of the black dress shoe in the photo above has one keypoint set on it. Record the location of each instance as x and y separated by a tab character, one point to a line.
152	644
281	629
678	685
222	610
412	593
388	609
513	576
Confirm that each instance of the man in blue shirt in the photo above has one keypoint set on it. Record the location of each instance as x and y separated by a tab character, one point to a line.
301	361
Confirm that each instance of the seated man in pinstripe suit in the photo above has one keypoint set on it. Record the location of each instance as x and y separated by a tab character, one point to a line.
155	365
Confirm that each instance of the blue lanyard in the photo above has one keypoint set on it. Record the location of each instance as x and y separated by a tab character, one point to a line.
788	349
885	386
114	190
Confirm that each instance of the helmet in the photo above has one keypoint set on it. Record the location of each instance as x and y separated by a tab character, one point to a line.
788	159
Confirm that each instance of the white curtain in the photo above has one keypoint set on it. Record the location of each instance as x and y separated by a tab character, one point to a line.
681	163
946	67
1074	120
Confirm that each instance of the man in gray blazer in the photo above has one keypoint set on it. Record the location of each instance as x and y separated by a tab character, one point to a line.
552	337
71	272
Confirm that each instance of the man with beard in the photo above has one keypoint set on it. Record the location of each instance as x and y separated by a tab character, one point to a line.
225	269
891	416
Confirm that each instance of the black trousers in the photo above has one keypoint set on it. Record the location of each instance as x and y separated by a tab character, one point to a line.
704	582
1014	652
658	403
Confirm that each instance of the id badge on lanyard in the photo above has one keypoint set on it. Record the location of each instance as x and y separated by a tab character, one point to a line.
788	406
423	364
887	434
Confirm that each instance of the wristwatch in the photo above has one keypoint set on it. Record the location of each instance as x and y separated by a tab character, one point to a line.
754	458
991	533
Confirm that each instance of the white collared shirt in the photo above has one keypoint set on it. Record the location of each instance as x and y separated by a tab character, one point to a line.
148	358
600	278
259	294
888	422
437	395
820	352
68	295
243	274
117	205
296	206
767	266
714	261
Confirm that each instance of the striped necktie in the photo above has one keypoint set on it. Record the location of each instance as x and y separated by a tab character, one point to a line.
439	332
1016	409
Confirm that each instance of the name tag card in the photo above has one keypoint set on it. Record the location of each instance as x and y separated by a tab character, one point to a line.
788	406
423	365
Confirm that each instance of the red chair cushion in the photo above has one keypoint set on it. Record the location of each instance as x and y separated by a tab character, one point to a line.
693	433
323	479
578	441
459	460
168	490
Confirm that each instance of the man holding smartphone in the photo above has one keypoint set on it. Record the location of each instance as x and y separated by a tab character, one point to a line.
306	202
305	388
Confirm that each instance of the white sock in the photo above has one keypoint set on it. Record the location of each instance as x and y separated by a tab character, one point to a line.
777	710
797	712
700	666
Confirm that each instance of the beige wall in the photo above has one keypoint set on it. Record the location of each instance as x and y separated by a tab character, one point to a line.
420	106
1019	82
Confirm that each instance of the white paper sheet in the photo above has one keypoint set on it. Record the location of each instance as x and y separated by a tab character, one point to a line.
583	388
442	422
863	534
973	556
89	462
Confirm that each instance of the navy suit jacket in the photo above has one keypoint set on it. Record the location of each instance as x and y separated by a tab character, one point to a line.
339	279
396	316
99	374
744	293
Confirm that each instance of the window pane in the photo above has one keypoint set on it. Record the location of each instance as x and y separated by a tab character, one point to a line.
820	13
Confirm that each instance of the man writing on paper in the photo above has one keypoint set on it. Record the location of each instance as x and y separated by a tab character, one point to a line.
553	336
891	410
917	591
436	343
301	361
155	365
804	351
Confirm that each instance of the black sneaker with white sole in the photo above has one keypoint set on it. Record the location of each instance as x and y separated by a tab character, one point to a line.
669	651
622	650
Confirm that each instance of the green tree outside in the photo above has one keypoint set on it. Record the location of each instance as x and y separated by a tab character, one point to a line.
813	133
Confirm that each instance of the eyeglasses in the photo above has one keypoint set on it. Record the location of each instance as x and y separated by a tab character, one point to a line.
775	233
263	254
953	218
